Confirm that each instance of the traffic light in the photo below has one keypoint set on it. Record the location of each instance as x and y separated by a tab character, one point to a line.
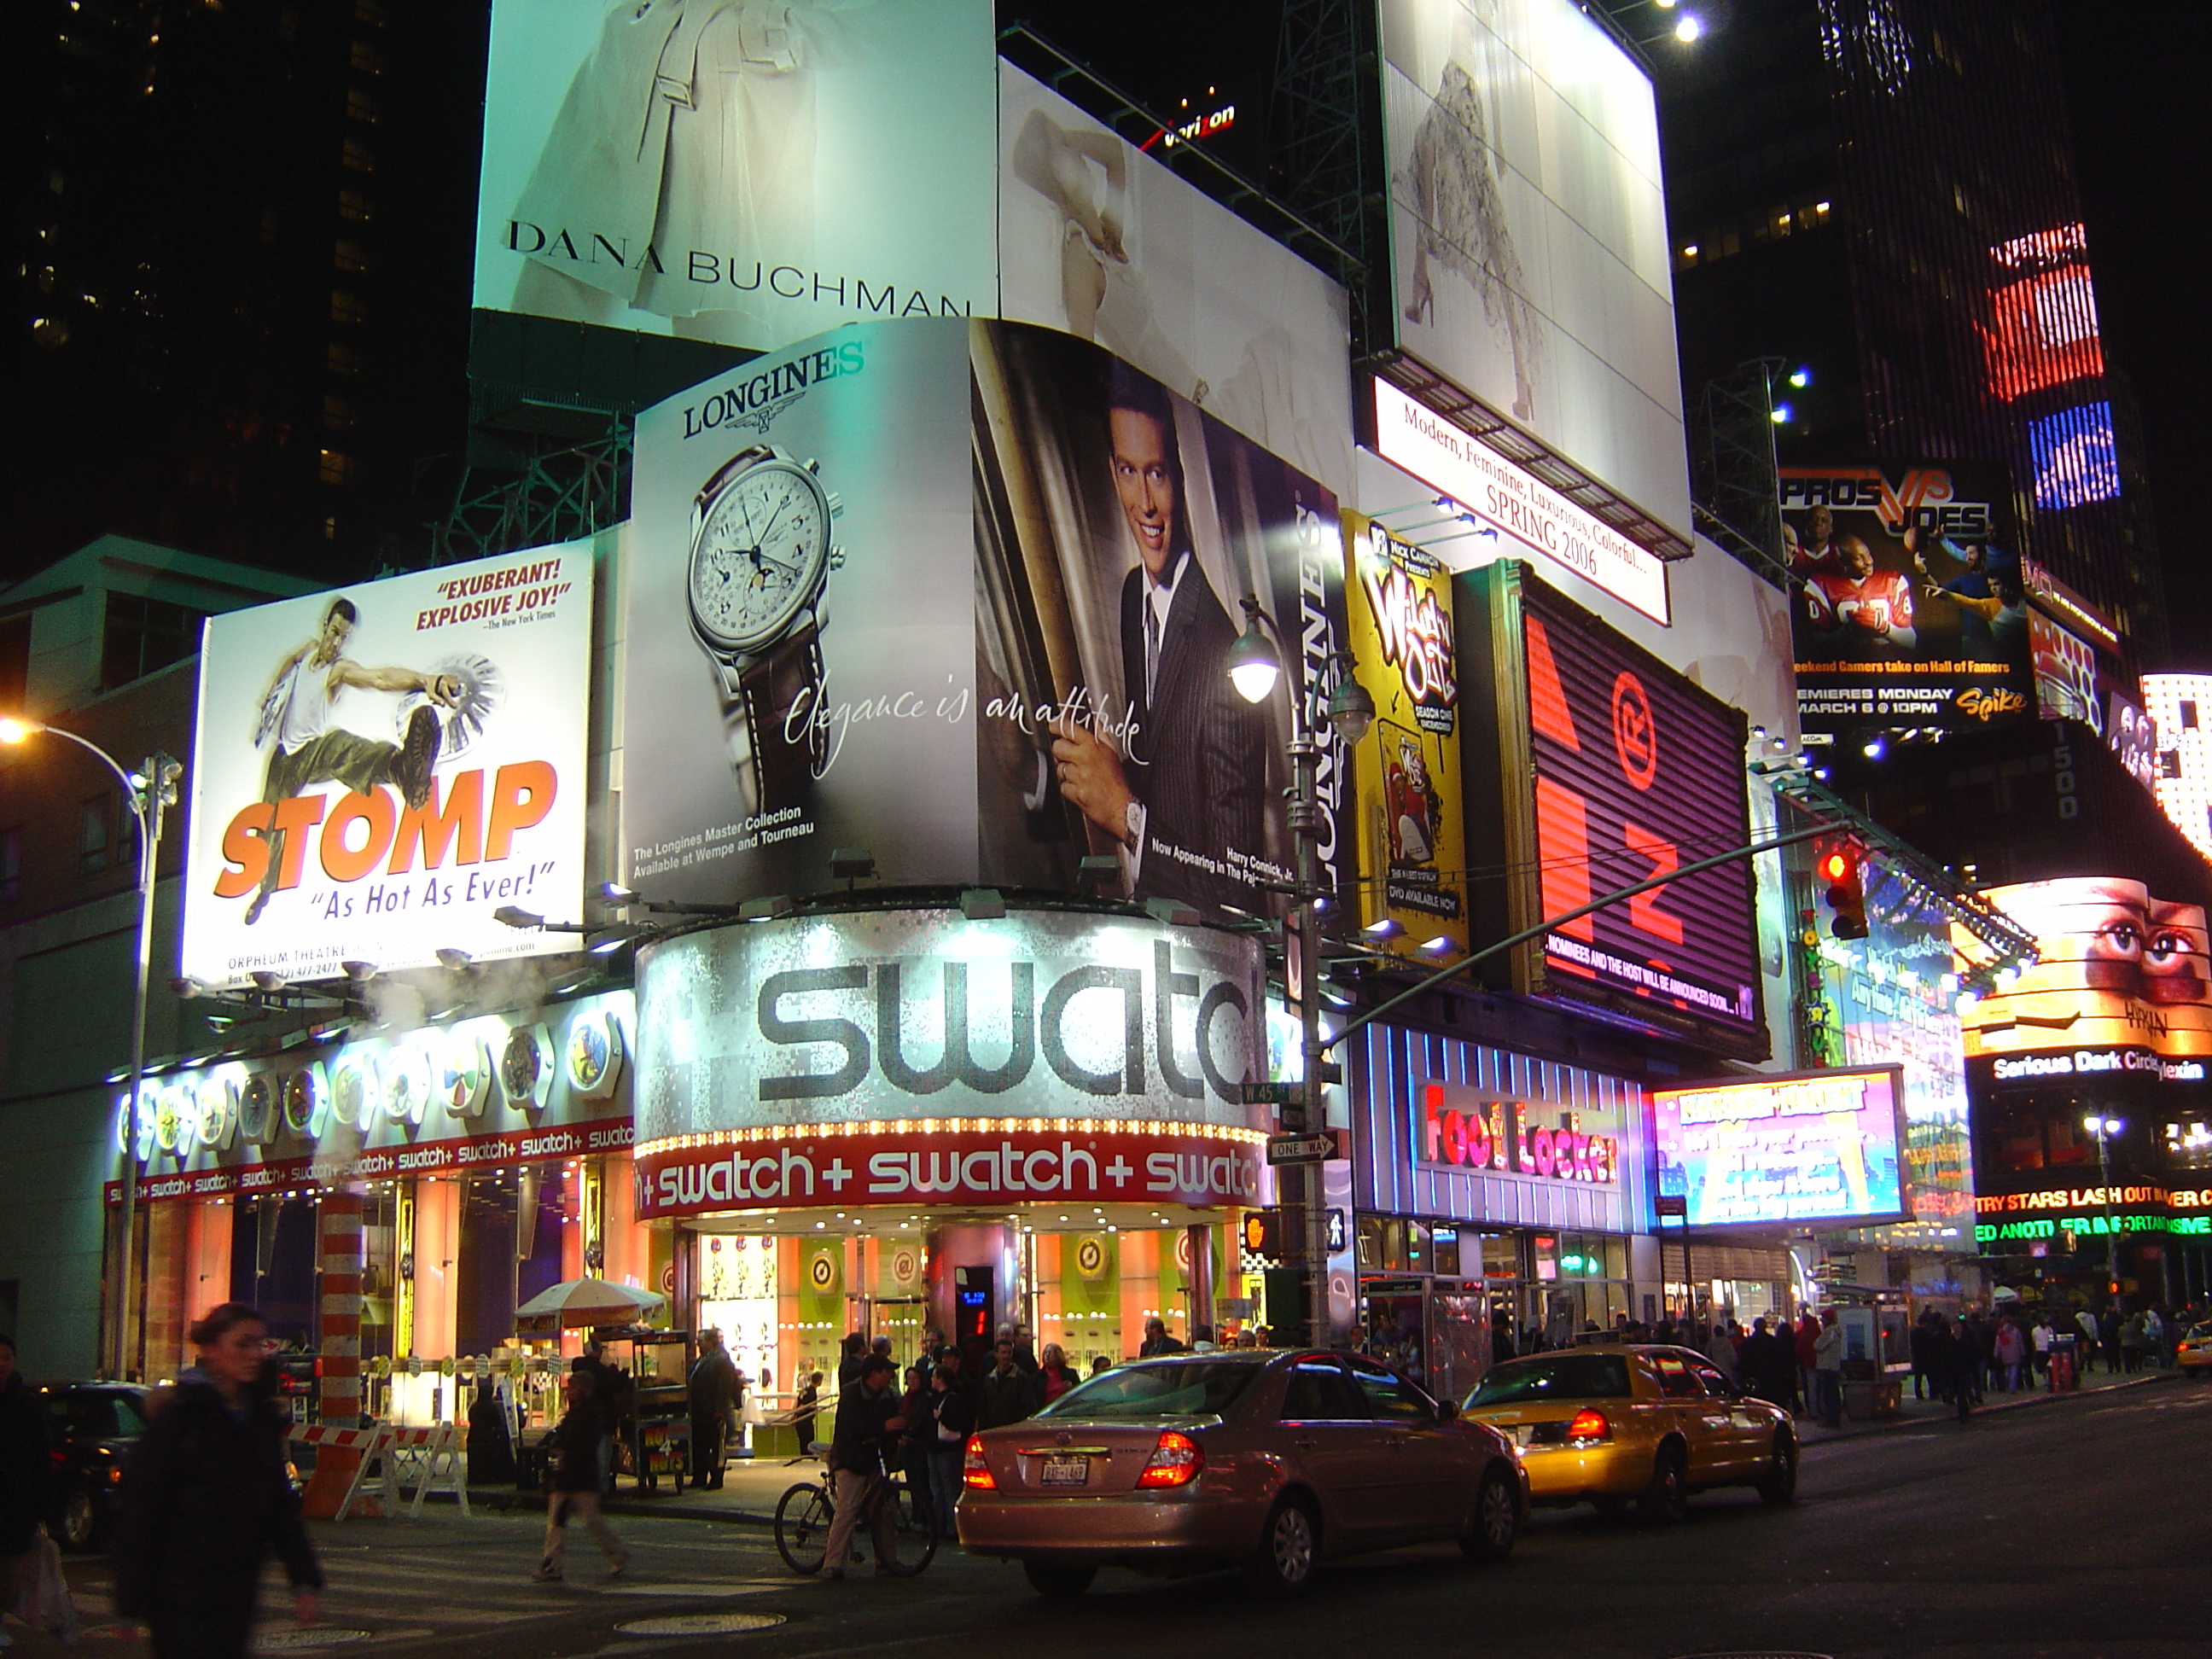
1842	869
1263	1233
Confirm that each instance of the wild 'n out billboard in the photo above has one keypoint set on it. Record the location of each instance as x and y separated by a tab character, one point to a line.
380	768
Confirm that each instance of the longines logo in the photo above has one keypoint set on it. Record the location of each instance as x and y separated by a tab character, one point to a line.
756	400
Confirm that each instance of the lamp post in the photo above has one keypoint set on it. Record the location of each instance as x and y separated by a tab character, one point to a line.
1254	667
150	791
2105	1128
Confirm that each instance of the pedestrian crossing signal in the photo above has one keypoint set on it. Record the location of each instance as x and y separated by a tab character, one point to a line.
1841	867
1263	1233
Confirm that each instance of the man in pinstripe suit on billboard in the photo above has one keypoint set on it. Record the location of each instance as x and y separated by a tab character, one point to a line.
1194	786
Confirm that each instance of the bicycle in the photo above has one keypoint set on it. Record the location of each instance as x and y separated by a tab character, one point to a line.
804	1512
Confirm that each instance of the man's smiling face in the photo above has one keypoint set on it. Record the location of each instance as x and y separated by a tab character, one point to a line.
1144	481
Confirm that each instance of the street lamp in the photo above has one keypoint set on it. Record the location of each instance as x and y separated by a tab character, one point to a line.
151	790
1253	669
2105	1128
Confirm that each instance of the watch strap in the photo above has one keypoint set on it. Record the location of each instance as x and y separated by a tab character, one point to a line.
785	679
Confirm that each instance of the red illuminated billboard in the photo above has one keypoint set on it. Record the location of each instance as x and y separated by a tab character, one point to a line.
1593	766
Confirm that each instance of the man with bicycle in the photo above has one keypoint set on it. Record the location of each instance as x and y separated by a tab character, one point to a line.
863	1446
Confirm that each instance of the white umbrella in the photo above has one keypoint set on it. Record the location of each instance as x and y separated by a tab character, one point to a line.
581	1302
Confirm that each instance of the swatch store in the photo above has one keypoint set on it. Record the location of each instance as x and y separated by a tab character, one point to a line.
1494	1192
906	1120
457	1169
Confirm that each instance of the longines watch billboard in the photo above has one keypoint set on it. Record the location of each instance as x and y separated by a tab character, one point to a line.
915	1056
962	594
379	768
736	172
2119	996
1592	766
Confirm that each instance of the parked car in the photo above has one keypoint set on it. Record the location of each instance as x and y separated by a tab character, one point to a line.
1614	1425
1269	1461
90	1428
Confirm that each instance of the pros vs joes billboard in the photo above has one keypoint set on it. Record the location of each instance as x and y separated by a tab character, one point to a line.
379	768
1605	768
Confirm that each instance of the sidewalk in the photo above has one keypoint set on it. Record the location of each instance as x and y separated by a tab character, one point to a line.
1916	1411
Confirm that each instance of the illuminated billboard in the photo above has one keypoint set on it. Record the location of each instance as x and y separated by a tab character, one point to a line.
740	173
2121	989
2042	330
2075	458
2178	707
380	768
962	594
2065	674
1894	997
1406	772
1593	766
874	1059
1528	232
1812	1147
1912	607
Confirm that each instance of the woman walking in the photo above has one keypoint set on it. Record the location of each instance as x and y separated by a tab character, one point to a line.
206	1498
576	1482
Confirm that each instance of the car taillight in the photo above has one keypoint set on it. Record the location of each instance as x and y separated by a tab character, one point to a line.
115	1475
1587	1428
974	1471
1174	1461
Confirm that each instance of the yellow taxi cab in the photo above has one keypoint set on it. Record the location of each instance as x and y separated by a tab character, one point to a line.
1638	1423
2195	1354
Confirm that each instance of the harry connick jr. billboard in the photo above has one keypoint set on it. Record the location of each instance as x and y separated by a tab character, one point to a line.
962	594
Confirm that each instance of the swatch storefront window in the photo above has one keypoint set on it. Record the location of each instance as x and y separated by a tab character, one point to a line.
1496	1197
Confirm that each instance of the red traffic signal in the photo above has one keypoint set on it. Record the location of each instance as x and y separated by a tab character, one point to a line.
1842	869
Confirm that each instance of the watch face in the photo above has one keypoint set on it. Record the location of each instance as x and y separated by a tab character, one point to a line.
758	555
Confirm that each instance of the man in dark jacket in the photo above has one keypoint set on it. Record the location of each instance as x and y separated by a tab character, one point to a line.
712	1391
1158	1341
23	1472
1009	1393
861	1448
205	1498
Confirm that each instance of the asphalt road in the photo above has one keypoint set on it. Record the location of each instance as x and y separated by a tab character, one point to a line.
2071	1529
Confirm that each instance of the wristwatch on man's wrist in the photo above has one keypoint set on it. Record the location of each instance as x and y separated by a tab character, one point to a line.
756	585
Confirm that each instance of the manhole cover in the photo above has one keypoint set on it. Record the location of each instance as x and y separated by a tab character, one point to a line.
315	1636
699	1624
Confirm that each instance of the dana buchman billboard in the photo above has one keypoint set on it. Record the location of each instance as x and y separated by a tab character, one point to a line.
736	172
1528	232
2121	989
1101	240
1911	604
1592	766
378	768
962	595
1413	843
1818	1146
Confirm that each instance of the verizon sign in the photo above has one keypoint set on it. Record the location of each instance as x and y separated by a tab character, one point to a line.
1458	465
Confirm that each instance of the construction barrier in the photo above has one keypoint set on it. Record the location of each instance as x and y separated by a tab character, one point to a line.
429	1459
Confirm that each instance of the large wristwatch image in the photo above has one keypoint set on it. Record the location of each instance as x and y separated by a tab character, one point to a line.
761	559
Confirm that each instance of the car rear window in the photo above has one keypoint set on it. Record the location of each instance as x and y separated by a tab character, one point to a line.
1554	1377
1138	1391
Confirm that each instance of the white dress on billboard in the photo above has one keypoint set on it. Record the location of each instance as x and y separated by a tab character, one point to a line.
690	128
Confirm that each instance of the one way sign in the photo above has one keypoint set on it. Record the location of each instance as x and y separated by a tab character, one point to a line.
1303	1148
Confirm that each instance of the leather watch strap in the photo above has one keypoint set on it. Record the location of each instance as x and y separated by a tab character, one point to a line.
785	767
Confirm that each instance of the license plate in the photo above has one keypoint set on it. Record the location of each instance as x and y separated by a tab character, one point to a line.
1066	1472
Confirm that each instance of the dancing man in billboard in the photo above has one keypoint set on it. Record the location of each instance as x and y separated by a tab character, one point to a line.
1194	784
307	746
